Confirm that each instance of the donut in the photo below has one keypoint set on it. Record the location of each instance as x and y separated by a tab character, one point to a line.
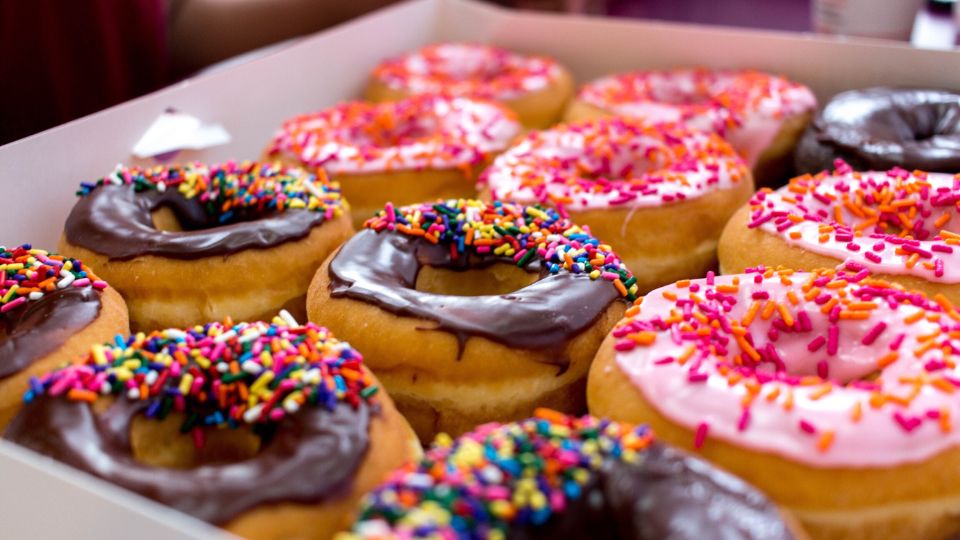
51	308
192	243
421	148
555	476
534	87
659	194
897	224
880	128
268	430
470	311
761	115
834	391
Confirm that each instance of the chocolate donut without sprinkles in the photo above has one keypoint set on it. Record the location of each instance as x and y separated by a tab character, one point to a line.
193	243
882	128
554	476
472	312
308	402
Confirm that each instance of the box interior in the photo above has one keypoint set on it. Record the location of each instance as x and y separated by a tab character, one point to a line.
252	99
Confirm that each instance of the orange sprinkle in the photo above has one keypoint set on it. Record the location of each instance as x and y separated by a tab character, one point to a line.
825	441
857	412
888	359
80	394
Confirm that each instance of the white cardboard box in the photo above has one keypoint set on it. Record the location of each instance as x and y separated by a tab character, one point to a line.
42	499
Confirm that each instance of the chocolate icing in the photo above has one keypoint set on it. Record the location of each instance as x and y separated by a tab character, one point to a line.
381	269
117	221
879	128
310	456
40	327
666	495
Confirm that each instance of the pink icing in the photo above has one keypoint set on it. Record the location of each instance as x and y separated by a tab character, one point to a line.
795	378
893	222
465	69
416	133
746	107
612	162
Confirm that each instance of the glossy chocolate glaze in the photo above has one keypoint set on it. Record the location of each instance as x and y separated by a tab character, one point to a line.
880	128
381	269
117	221
40	327
310	456
667	494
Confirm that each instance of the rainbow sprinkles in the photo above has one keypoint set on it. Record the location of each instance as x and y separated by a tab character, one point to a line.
512	231
218	374
29	274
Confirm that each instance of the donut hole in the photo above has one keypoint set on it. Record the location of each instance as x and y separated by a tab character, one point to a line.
179	215
496	279
179	451
164	219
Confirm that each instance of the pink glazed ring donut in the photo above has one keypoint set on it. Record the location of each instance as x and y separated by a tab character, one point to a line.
833	391
897	224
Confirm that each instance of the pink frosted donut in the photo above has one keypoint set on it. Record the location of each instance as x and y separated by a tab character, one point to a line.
535	87
659	193
897	224
761	115
832	390
420	148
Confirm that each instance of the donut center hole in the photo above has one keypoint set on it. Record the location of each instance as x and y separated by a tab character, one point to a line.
159	443
191	215
496	279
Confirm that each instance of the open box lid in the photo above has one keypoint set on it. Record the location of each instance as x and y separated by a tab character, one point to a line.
42	499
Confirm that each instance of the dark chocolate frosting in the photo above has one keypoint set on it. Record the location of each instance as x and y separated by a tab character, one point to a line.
40	327
882	128
309	457
117	221
381	269
666	495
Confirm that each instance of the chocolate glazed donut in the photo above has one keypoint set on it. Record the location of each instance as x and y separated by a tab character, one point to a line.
668	494
43	326
117	221
881	128
382	268
307	458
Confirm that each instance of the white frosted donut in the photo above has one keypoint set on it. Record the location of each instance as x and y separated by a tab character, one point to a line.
761	115
419	148
659	193
535	87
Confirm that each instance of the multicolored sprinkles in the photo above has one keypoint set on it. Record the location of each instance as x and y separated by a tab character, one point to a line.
218	374
28	274
512	231
420	132
497	476
230	188
715	100
815	366
894	222
614	162
464	69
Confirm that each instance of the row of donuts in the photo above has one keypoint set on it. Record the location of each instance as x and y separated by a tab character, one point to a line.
373	266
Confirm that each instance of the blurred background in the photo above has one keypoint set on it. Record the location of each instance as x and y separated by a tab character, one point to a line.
63	60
